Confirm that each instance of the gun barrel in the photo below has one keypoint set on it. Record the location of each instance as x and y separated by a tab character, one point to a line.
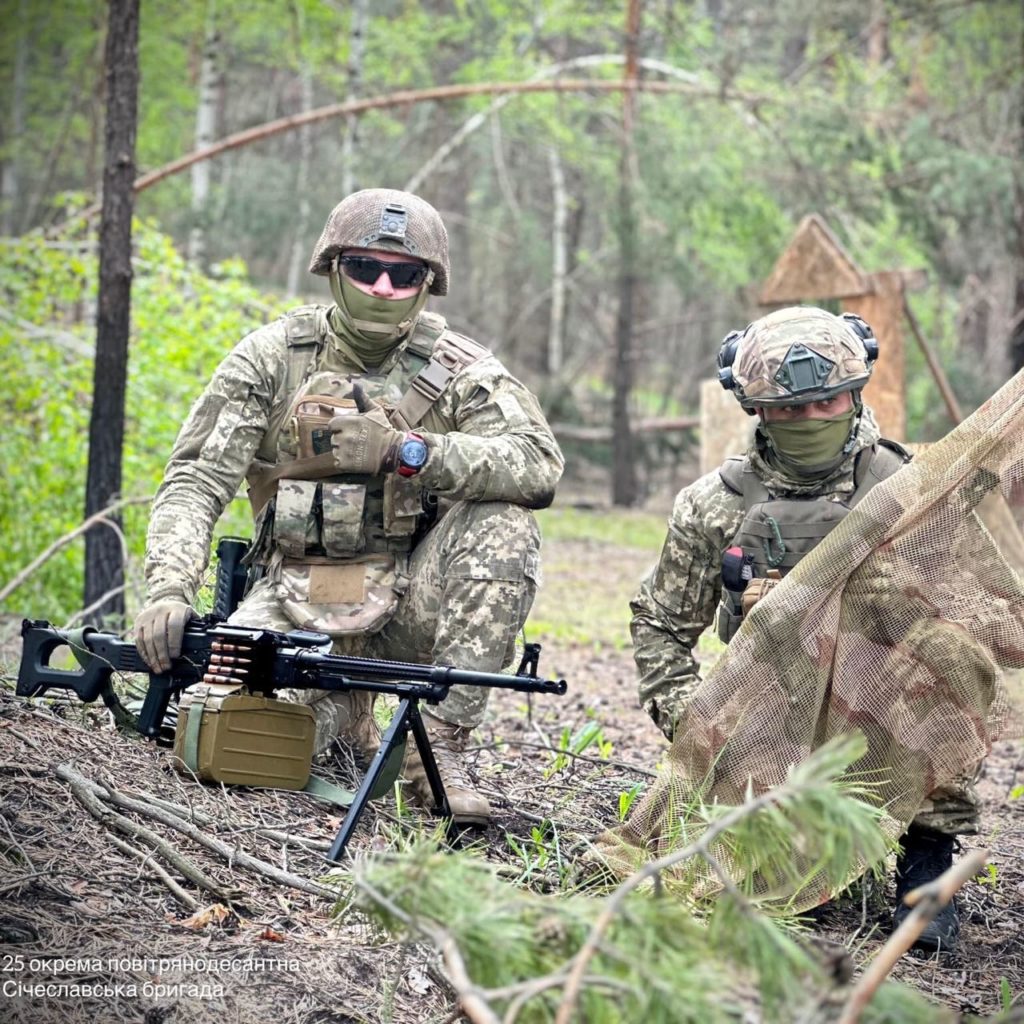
336	667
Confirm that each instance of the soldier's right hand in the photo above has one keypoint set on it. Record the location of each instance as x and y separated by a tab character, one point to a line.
160	630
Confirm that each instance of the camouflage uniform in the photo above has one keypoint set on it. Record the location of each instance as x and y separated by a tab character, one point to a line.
466	583
678	599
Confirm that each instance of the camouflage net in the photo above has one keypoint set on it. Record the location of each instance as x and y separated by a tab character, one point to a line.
898	625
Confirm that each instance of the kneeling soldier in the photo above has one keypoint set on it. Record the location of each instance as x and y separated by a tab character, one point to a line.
816	452
391	465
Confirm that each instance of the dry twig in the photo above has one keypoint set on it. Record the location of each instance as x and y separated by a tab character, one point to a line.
927	901
93	520
232	855
85	793
148	862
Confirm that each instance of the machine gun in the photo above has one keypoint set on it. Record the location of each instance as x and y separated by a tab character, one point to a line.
263	661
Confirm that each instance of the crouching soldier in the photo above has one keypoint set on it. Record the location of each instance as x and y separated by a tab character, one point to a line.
816	452
391	465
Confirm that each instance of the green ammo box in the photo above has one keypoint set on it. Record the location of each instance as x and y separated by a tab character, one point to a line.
226	735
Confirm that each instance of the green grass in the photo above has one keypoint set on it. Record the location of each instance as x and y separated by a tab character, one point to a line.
593	561
644	531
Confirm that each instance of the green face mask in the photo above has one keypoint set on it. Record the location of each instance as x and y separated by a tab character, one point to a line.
357	314
811	446
370	308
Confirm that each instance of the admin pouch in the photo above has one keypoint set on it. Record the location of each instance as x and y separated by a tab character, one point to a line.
339	598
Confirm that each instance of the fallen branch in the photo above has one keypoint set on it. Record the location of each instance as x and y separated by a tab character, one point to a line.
93	520
65	339
84	791
408	97
575	432
232	855
274	834
927	901
148	862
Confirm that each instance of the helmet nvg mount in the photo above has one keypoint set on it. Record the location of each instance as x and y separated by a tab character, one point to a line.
384	218
796	355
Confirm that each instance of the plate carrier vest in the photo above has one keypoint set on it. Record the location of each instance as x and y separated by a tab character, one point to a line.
302	506
777	532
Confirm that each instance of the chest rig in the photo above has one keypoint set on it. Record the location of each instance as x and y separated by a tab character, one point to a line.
777	532
304	509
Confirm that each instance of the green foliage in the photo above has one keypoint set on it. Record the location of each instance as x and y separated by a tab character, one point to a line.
183	323
539	853
1005	995
627	798
685	957
590	734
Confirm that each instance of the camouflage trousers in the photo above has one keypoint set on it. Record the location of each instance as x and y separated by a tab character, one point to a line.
952	809
472	582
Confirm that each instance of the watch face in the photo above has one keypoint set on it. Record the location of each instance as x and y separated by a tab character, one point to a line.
412	453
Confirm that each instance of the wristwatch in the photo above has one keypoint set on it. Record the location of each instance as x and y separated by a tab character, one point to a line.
412	455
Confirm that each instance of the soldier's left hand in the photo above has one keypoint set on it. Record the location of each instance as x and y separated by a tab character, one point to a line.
365	441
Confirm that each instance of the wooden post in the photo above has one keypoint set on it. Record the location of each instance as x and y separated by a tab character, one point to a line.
725	429
882	308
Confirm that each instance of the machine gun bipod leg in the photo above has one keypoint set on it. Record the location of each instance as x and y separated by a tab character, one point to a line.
407	719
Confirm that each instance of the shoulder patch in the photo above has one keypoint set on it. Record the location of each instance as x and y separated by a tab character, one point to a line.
731	472
302	325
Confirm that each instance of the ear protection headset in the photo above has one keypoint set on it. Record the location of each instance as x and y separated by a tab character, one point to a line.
731	344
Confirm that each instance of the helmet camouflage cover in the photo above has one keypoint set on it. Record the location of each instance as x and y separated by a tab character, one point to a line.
797	355
384	218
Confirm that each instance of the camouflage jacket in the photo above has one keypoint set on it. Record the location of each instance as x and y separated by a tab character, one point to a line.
678	598
487	437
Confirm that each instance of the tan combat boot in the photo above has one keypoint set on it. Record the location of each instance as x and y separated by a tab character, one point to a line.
356	724
448	742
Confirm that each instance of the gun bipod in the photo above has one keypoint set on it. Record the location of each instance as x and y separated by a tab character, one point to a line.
406	719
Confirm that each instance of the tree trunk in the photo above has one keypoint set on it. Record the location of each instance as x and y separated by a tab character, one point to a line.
206	132
10	189
356	51
559	263
624	481
878	33
104	567
301	243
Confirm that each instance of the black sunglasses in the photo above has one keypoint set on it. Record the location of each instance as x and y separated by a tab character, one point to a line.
366	270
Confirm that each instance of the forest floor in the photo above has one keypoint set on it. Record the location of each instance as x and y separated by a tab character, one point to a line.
86	908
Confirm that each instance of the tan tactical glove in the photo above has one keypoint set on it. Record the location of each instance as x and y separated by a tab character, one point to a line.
757	589
159	631
365	442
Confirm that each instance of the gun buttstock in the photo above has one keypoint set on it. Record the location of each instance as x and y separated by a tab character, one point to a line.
36	675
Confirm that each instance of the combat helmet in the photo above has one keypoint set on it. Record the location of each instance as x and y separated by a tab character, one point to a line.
797	355
384	218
